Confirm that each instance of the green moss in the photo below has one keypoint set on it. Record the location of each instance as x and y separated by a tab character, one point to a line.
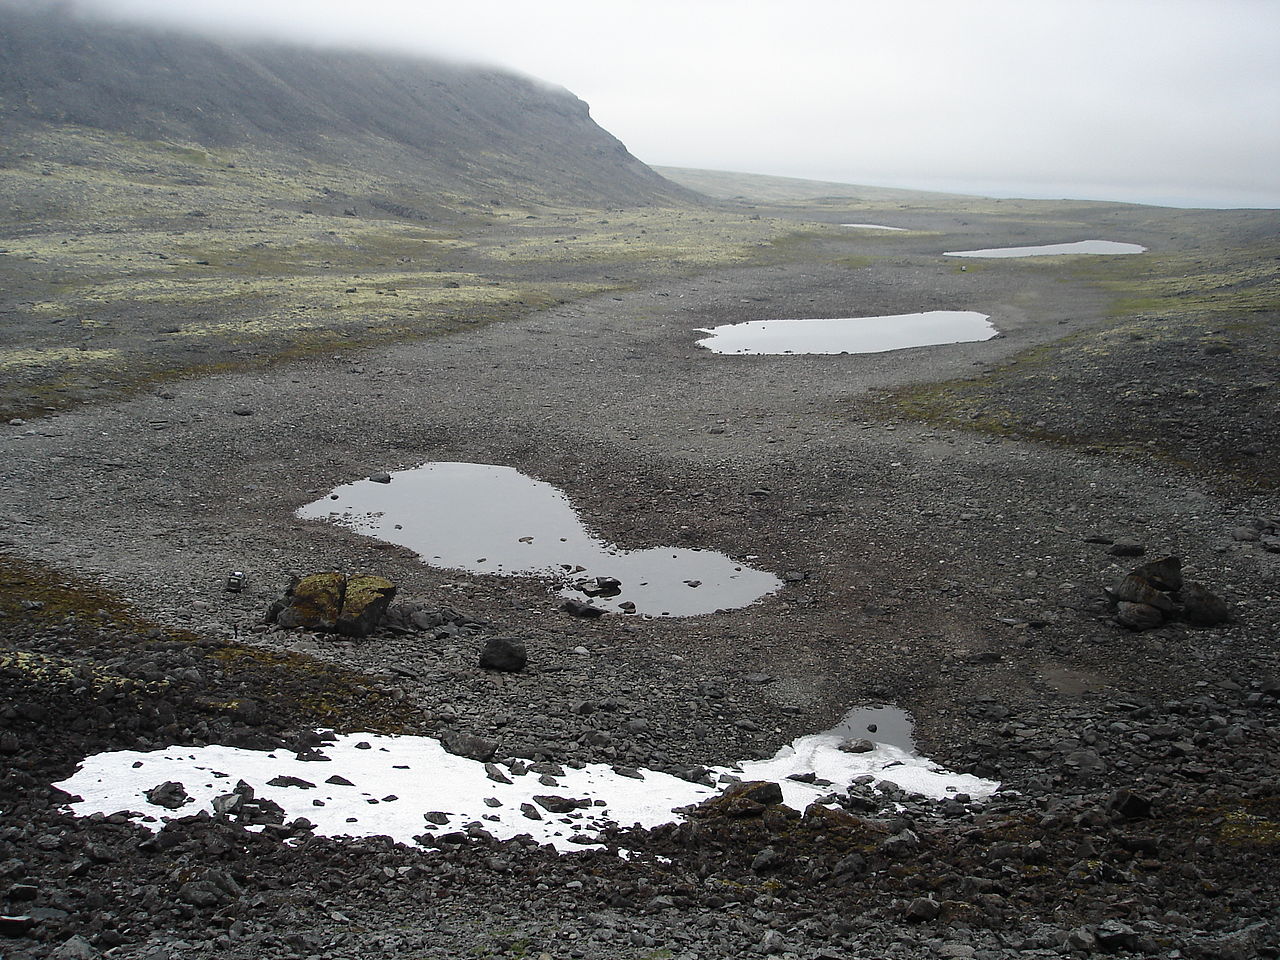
1249	829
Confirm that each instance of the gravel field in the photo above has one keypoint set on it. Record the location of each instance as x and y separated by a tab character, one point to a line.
955	573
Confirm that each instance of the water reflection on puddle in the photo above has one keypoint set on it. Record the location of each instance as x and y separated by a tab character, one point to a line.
886	725
1095	247
872	226
490	519
849	334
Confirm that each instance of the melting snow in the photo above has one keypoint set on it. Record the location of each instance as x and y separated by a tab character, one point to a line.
395	780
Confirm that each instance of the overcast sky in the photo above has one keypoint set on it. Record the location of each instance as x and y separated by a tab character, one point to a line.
1157	101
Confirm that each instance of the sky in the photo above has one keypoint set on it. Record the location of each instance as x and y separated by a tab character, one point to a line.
1152	101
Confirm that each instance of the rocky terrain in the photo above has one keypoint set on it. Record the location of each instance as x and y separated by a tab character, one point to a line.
946	522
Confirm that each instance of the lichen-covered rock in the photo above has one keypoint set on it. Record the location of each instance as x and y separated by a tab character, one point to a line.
331	602
314	602
364	603
748	799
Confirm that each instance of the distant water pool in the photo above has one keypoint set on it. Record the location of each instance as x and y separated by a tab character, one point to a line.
482	518
872	226
849	334
1094	247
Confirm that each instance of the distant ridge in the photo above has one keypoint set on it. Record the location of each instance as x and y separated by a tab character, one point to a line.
460	130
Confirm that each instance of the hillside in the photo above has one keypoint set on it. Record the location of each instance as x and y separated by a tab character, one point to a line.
435	126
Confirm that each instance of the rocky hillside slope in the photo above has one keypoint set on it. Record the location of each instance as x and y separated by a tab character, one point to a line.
454	129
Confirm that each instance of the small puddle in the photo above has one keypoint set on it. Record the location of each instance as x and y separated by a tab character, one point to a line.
891	726
849	334
482	518
1092	247
872	226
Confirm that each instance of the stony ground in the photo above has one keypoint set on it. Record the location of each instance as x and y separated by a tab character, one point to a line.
937	556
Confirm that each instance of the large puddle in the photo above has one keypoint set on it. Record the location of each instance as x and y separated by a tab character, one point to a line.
407	786
1094	247
490	519
849	334
872	226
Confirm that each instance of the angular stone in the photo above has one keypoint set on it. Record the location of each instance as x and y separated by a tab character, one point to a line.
169	794
470	746
580	609
504	653
922	910
1125	547
1136	588
1130	805
1163	574
554	804
1138	616
364	603
856	745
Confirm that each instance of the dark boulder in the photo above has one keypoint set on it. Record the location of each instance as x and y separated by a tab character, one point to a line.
505	654
1203	608
468	745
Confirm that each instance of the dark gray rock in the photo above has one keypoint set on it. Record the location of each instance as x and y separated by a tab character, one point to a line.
1136	588
1130	805
462	744
1138	616
766	860
505	654
922	910
1125	547
169	794
857	745
554	804
580	609
1203	608
1163	574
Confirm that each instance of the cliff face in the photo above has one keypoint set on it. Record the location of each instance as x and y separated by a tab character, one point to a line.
458	129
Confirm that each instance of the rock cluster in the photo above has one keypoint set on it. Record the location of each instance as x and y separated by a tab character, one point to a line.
333	602
1155	593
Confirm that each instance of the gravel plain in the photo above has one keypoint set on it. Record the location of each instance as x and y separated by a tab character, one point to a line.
955	573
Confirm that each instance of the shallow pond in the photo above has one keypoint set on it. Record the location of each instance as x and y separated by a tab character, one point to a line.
1094	247
849	334
483	518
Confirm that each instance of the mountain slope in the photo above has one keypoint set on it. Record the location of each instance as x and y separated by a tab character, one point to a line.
458	129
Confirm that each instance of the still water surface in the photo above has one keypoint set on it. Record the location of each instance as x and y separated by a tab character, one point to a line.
1093	247
849	334
483	518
